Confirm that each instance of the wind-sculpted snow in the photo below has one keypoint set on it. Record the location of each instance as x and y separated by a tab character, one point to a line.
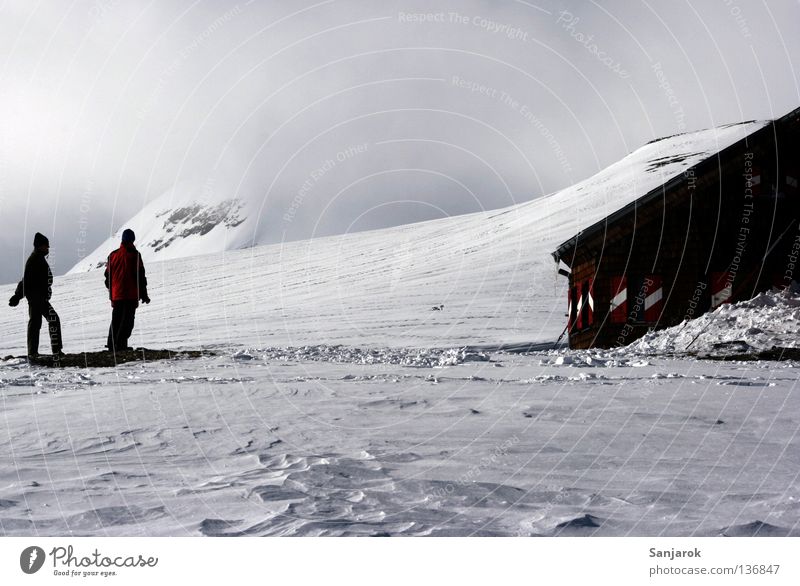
546	443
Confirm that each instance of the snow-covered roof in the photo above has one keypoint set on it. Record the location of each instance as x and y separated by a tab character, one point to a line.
642	174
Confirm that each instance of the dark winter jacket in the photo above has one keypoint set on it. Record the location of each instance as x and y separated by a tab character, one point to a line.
37	282
125	278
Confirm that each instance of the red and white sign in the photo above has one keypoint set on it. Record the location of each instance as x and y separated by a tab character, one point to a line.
721	289
654	299
618	310
570	314
587	304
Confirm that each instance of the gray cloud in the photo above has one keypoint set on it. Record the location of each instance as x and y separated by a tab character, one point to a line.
460	105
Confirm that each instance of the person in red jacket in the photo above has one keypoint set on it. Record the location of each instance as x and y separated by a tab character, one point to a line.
126	284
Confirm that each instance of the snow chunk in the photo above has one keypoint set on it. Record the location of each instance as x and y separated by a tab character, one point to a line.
767	320
418	358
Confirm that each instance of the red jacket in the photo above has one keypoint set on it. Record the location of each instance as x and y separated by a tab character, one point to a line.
125	278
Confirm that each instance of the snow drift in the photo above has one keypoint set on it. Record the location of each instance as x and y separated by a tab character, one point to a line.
770	319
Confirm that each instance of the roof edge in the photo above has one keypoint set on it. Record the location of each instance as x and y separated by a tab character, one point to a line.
558	253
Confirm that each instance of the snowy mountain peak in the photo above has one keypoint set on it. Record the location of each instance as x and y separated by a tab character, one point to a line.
196	219
183	222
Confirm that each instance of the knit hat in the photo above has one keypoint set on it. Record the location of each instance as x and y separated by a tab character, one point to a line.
40	240
128	235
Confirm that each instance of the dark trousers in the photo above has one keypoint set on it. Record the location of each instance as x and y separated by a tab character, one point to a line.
36	311
122	318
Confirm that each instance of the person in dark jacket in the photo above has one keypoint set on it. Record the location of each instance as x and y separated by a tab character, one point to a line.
127	285
37	287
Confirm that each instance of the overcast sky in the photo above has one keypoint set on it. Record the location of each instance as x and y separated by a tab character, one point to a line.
433	108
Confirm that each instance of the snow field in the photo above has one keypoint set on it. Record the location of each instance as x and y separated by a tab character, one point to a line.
341	403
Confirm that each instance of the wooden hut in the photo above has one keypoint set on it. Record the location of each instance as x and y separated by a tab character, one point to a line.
720	231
